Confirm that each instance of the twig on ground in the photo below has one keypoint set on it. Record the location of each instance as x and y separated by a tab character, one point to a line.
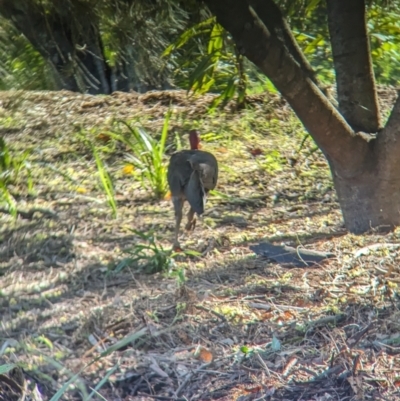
326	373
325	320
355	339
222	317
374	247
28	215
162	397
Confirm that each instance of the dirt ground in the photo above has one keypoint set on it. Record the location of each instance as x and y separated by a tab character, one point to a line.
239	327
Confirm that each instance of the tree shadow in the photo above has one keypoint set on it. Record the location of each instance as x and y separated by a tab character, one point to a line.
35	250
234	217
233	297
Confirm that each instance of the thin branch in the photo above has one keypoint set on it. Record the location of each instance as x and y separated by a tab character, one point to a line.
272	17
355	80
388	143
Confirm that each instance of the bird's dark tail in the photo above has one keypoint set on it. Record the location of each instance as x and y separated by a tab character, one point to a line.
195	193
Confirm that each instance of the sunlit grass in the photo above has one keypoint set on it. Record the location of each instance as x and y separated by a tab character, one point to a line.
146	154
11	164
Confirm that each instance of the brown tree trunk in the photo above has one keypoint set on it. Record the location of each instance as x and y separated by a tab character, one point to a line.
367	201
355	81
365	170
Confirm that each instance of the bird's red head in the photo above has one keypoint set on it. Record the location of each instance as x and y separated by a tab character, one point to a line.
194	139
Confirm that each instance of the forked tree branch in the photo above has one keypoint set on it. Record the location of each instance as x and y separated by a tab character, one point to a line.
325	124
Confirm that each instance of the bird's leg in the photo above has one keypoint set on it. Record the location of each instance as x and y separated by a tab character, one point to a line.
178	205
191	220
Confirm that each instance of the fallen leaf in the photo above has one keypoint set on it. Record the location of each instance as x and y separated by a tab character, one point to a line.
183	336
288	315
204	355
128	169
256	152
266	316
275	344
81	190
104	137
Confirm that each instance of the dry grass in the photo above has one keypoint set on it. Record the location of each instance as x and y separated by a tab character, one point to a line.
240	327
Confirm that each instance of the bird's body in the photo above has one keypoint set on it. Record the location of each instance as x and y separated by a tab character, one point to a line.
191	175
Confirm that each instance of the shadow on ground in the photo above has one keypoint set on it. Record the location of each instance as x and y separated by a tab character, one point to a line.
274	332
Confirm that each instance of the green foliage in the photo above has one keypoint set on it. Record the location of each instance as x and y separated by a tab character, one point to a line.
180	276
384	30
310	28
148	255
21	66
6	368
207	61
272	162
245	349
147	154
135	34
11	164
106	181
199	55
309	24
74	381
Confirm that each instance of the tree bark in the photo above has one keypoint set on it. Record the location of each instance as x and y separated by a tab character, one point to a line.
372	197
355	81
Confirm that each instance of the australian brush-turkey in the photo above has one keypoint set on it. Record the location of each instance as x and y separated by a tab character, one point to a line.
191	175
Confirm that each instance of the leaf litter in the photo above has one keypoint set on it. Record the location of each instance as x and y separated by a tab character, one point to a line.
239	327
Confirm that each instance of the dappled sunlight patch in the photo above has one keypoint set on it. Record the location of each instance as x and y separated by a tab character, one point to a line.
257	324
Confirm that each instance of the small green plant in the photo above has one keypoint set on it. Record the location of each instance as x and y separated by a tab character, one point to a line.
272	162
180	310
148	255
180	276
106	181
146	155
10	166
